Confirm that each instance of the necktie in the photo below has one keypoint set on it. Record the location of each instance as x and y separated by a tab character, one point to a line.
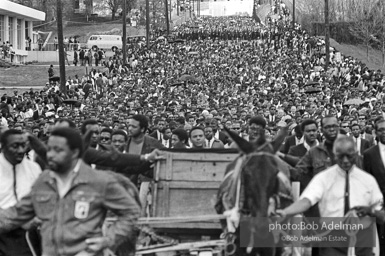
14	182
347	205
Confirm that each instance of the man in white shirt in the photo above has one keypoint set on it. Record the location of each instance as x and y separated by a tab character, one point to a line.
17	175
361	144
337	194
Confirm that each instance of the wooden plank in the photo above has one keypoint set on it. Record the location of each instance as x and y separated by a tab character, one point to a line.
195	225
157	170
194	185
154	197
295	188
194	166
185	199
193	171
184	246
166	199
169	167
203	156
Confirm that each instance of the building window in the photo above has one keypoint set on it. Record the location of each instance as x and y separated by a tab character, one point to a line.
19	41
27	30
2	29
10	29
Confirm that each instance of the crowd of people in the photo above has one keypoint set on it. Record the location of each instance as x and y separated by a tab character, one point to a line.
180	94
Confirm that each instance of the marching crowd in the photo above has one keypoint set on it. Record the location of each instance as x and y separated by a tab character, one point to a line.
181	94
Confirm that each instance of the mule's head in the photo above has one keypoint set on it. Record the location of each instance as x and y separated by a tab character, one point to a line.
259	176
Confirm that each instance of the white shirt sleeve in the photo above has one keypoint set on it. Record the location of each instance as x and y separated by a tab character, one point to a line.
377	197
314	190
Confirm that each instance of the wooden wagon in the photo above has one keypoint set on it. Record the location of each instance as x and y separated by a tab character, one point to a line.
183	198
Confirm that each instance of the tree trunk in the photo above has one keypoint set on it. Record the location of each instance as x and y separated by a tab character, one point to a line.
63	88
383	52
113	15
327	35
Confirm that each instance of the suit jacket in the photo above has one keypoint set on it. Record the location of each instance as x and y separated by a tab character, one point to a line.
373	164
369	138
289	142
216	144
295	154
132	172
223	137
364	145
36	115
154	135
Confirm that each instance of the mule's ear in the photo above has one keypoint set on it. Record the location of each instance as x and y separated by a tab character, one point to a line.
245	146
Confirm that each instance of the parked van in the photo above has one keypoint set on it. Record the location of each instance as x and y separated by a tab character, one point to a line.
105	42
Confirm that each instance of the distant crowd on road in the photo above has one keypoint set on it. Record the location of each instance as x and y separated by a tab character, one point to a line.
253	78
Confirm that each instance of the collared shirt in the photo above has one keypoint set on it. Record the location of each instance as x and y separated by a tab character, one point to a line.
159	135
26	174
382	151
327	189
307	146
216	135
68	221
64	186
298	141
166	143
209	143
358	144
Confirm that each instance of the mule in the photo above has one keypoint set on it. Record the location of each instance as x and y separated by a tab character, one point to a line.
252	182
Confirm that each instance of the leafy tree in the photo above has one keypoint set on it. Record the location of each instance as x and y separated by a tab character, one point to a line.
364	26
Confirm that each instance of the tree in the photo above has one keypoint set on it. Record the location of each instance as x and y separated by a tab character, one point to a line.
114	5
364	25
380	37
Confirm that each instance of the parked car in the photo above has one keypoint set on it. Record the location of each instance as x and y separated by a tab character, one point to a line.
105	42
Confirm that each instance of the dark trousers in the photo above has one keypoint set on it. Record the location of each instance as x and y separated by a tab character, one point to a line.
381	238
14	243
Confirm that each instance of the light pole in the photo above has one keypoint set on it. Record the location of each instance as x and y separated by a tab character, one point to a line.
327	35
167	20
148	23
124	32
293	14
62	66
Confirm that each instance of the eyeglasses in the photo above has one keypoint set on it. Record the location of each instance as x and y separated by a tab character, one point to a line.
104	138
236	128
344	126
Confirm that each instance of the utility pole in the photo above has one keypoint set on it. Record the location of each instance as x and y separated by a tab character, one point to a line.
177	7
327	35
148	23
124	32
293	14
167	20
62	66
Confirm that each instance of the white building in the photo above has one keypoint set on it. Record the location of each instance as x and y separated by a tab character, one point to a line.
16	25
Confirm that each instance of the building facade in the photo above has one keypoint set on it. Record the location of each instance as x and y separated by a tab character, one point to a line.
16	26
